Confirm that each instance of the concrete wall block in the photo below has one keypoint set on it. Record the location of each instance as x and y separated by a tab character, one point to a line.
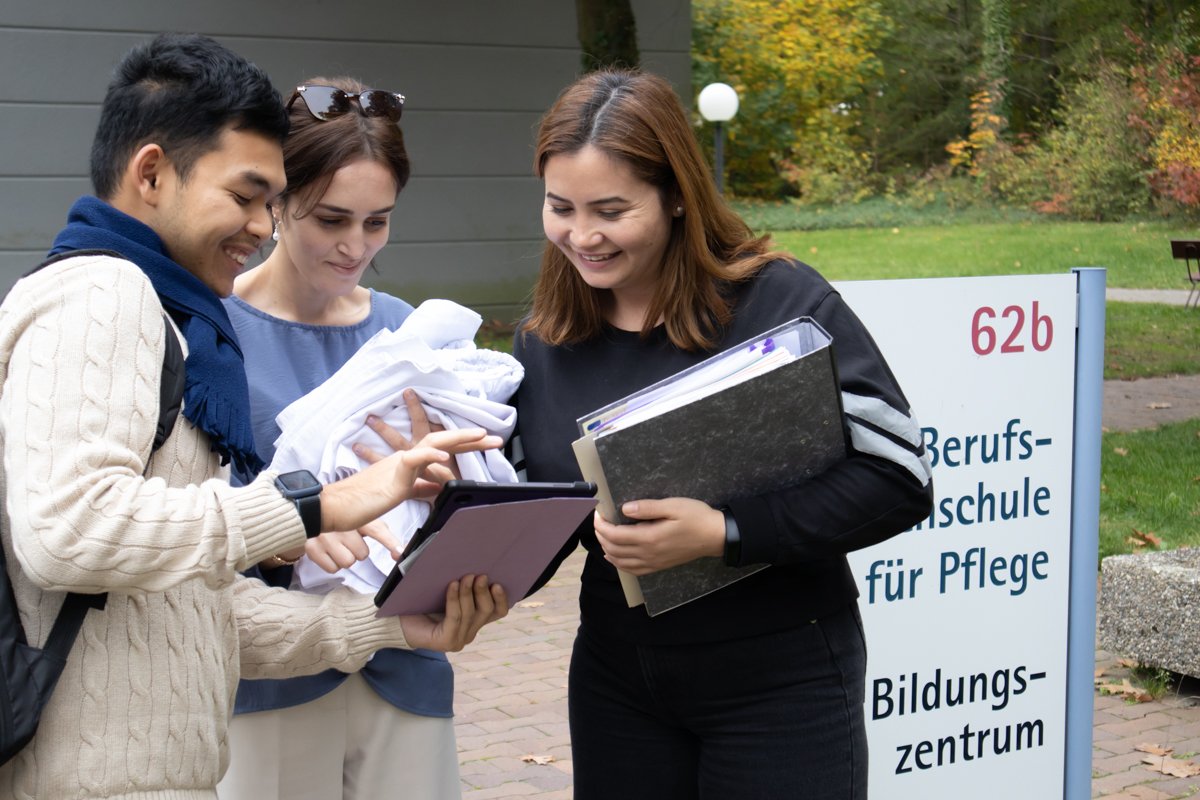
1147	608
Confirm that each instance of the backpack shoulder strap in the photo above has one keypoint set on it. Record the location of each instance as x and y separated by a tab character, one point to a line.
170	401
73	254
170	386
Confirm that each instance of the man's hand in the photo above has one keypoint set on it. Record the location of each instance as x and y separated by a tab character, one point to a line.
470	604
352	502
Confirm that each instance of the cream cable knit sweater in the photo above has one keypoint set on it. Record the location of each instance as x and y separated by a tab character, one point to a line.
142	707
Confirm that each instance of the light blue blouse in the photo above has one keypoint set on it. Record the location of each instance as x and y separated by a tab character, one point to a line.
285	360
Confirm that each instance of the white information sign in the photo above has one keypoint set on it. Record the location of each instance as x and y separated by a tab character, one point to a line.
966	614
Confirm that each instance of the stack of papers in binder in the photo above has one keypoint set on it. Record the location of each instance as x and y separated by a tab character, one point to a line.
752	419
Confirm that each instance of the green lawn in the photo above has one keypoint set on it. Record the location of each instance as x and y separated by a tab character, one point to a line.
1145	340
1150	488
1150	480
876	212
1136	255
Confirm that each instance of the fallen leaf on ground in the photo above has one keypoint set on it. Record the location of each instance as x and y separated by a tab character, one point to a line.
1154	749
541	761
531	604
1172	766
1157	406
1121	451
1126	690
1144	539
1128	663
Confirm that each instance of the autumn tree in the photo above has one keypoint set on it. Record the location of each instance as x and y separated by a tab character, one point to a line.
921	98
1082	106
1166	89
983	149
935	51
800	68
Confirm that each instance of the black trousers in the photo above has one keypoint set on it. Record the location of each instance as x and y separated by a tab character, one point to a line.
774	716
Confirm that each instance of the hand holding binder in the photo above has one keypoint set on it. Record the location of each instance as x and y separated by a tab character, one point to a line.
662	534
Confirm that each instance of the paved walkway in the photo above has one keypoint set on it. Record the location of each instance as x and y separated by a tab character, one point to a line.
1170	297
1150	402
512	683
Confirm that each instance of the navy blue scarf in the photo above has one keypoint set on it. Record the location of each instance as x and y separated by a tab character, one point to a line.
216	396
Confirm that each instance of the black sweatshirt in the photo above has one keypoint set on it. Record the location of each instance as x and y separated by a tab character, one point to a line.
803	531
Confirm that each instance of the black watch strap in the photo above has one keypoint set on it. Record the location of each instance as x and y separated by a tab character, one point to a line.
303	489
733	540
310	514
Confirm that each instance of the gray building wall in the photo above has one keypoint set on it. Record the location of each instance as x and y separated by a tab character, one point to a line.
477	75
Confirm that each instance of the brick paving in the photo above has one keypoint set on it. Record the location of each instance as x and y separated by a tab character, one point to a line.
511	697
1121	726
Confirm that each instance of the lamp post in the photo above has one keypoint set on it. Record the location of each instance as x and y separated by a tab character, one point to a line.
718	103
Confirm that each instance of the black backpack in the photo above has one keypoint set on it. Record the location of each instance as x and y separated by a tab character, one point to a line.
27	674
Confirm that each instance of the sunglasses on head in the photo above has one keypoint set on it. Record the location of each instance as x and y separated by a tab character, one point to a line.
326	102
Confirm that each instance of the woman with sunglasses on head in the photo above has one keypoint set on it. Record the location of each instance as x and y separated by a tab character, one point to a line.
299	316
755	690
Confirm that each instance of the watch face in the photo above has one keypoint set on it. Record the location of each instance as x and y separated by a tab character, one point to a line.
299	482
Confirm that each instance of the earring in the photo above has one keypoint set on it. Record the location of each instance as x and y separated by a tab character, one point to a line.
275	235
679	211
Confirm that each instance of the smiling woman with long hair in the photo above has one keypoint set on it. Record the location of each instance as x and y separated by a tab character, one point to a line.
755	690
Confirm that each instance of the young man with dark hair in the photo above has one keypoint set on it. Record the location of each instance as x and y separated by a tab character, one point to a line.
186	159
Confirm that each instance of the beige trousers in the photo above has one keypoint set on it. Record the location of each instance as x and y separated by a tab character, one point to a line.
348	744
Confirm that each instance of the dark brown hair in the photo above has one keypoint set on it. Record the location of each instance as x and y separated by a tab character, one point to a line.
314	149
637	118
180	91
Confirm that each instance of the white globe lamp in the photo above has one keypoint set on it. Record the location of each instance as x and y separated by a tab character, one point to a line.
718	103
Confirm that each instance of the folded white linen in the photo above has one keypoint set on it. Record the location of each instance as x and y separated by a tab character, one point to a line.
459	386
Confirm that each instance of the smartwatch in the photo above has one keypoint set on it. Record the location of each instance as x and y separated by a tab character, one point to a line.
303	489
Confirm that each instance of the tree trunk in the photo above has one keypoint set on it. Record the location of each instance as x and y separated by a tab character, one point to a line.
607	34
997	51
